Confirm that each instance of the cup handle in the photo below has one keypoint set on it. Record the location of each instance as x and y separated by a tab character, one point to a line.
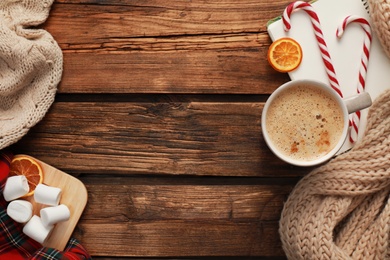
357	102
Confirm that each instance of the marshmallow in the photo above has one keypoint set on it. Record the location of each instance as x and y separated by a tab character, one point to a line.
53	215
47	195
15	187
36	230
20	210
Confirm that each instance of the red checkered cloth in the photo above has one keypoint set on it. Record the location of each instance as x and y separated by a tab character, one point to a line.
14	245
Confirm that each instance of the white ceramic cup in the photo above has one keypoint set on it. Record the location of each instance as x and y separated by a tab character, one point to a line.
293	125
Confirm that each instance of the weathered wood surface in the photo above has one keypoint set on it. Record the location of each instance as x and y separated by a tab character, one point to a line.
182	216
131	46
158	113
193	138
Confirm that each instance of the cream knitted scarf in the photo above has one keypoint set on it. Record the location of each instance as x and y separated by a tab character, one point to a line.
379	13
341	210
30	67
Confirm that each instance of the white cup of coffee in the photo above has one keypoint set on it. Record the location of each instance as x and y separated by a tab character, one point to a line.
306	122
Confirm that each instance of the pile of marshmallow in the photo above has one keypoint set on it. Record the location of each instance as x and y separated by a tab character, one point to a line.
37	228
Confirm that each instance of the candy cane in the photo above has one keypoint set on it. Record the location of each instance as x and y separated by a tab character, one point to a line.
355	117
319	36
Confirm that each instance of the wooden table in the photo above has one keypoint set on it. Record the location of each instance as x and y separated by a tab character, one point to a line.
158	114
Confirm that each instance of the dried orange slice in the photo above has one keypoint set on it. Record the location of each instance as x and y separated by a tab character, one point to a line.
285	54
24	165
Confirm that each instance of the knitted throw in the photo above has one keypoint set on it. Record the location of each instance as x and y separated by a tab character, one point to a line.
30	67
341	210
379	13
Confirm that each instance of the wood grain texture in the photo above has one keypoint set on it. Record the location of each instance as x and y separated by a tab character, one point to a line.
205	47
193	72
168	238
98	21
158	114
146	217
194	138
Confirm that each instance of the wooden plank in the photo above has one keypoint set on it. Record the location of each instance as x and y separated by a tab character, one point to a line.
147	217
219	71
164	138
181	238
181	198
98	21
132	47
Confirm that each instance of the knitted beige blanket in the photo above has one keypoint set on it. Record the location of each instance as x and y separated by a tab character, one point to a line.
341	210
30	67
380	19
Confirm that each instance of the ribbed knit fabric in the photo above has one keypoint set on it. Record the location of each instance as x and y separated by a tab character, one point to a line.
380	21
341	210
30	67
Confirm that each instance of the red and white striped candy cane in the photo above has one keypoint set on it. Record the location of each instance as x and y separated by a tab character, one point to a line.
319	36
355	117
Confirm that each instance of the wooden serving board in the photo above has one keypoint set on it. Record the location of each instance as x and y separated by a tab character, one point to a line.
74	195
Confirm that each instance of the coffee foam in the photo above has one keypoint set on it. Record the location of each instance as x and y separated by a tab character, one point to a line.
304	122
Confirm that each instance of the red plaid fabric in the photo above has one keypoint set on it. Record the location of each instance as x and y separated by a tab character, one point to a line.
5	160
14	245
